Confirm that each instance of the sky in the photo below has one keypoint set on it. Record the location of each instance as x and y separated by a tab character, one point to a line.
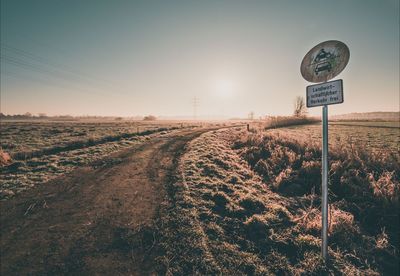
128	58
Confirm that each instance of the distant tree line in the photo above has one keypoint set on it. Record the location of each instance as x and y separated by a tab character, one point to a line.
30	116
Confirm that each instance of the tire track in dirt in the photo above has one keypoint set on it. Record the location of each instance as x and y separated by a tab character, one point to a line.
93	221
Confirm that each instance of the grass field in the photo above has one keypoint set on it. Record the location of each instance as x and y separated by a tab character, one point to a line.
374	136
29	136
44	150
240	202
390	124
249	203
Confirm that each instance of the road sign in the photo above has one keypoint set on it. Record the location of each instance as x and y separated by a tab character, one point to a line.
322	63
325	61
325	93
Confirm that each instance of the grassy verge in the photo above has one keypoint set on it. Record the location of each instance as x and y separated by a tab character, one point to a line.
249	204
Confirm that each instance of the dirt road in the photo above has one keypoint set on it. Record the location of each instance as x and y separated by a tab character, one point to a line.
97	220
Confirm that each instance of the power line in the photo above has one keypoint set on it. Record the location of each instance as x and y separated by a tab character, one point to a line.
17	76
47	62
32	67
44	73
34	63
60	51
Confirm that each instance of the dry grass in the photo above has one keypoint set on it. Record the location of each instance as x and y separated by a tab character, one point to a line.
284	121
249	204
83	143
5	158
56	149
18	138
373	138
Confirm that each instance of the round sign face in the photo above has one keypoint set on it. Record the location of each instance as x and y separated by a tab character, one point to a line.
325	61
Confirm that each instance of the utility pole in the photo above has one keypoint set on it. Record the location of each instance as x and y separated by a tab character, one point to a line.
251	115
195	105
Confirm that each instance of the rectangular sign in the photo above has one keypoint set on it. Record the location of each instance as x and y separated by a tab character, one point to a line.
325	93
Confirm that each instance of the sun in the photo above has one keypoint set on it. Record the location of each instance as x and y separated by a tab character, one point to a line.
225	88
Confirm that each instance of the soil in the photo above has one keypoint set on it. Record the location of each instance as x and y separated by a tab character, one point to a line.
98	219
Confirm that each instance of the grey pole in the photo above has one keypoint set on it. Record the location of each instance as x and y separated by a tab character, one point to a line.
325	182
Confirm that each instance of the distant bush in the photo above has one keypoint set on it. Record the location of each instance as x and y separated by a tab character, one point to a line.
284	121
149	118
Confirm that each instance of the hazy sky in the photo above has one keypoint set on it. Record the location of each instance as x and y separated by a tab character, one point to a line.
152	57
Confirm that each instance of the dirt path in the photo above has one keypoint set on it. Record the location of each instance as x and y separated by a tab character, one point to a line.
93	221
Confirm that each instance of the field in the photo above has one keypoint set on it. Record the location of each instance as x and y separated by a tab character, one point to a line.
198	198
374	136
26	137
44	150
249	203
375	124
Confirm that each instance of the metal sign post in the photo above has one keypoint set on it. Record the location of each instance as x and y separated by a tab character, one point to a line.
324	203
324	62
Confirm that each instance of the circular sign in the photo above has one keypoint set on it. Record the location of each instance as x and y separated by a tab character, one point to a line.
325	61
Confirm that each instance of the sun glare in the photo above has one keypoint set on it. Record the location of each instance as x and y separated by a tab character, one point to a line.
225	88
